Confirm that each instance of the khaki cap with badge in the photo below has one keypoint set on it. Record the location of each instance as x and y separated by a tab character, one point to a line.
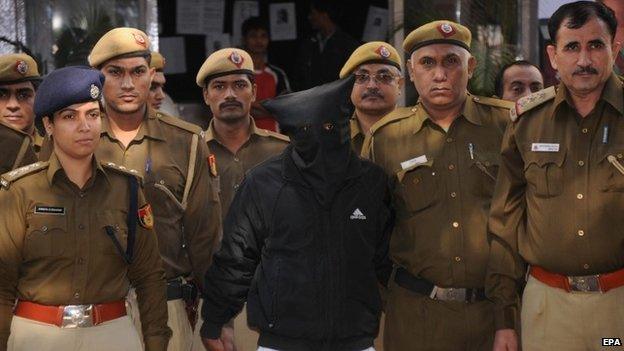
371	52
223	62
16	68
438	32
119	42
157	62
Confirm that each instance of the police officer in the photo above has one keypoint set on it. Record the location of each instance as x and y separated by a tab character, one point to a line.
74	234
156	92
19	78
443	154
558	201
172	157
378	83
237	145
16	148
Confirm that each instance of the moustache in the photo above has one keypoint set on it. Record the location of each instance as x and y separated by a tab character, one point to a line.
586	69
230	104
372	93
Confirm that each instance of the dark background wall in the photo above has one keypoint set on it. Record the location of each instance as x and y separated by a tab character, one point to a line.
182	87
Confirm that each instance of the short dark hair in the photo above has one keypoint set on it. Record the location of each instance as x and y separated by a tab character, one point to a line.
498	82
577	14
327	6
254	23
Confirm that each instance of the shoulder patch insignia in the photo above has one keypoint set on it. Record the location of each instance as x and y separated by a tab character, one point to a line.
9	177
145	216
531	101
212	165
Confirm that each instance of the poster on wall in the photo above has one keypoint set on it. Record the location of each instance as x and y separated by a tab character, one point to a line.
199	16
173	50
217	41
283	21
376	27
242	11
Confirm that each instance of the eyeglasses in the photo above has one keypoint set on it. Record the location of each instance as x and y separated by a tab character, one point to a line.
384	78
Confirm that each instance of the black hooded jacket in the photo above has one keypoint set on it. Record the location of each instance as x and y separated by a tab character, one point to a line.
308	272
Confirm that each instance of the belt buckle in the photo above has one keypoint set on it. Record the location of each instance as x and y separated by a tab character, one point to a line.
450	294
77	316
584	283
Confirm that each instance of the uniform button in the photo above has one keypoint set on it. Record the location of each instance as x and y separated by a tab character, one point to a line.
581	232
81	194
620	155
453	194
579	196
81	260
416	180
76	295
581	163
81	226
455	225
449	140
585	130
44	229
586	266
451	167
236	159
235	186
162	182
457	258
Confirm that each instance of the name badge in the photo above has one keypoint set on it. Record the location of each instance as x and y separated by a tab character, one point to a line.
413	162
51	210
545	147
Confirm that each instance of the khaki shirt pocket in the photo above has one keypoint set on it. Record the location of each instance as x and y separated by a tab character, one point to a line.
416	188
116	219
483	171
613	163
46	236
544	173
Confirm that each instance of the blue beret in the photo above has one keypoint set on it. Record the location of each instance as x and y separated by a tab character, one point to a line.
67	86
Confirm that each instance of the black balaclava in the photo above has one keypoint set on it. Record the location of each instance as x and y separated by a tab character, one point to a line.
317	121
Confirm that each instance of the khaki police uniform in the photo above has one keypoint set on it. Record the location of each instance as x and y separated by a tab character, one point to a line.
17	68
172	157
16	148
444	183
55	251
558	207
230	168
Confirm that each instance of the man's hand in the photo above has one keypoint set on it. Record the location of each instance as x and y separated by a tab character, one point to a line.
224	343
505	340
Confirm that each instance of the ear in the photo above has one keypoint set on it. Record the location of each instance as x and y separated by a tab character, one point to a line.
472	65
552	55
254	90
410	70
152	73
400	84
616	48
205	95
48	125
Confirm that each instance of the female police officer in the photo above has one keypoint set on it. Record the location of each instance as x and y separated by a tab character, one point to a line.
74	234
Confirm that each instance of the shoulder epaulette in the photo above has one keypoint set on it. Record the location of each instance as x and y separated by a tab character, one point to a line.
490	101
397	114
177	122
529	102
272	134
122	169
9	177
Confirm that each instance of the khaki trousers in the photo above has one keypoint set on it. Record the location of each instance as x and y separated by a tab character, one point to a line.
118	334
553	319
416	322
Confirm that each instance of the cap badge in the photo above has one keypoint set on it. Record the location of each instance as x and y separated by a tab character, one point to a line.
446	29
383	51
21	67
236	59
139	39
94	91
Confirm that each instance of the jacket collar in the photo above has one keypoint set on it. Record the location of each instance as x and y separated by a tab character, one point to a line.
150	127
612	94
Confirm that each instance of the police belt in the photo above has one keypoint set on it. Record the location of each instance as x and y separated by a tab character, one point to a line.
178	288
406	280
